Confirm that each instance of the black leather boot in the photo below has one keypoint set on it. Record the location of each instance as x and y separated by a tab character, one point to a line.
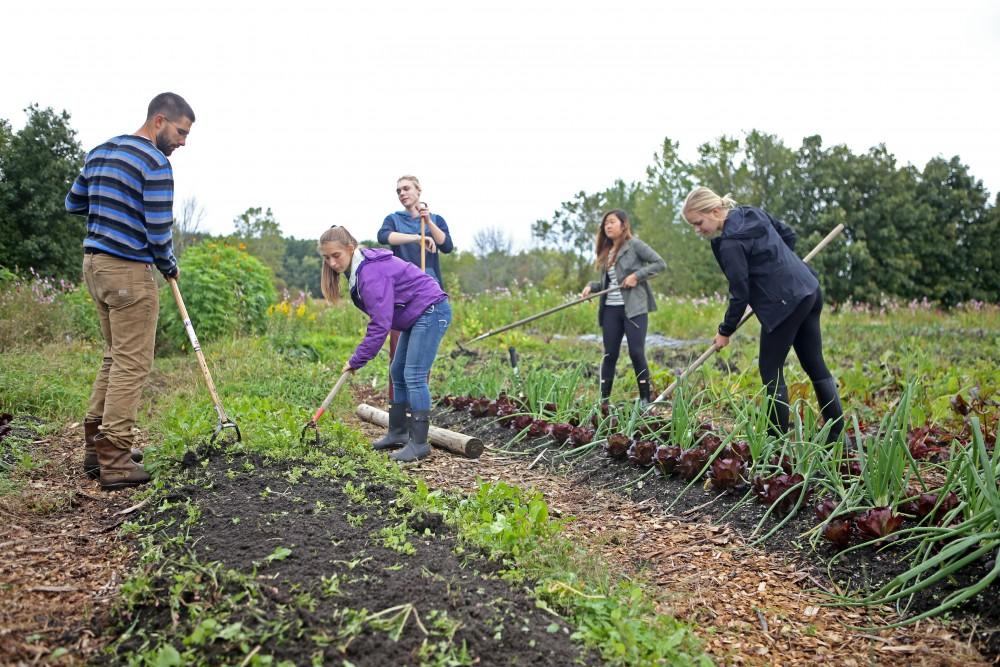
417	446
778	410
399	431
829	406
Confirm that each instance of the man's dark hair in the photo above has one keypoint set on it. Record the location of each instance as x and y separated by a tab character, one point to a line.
170	105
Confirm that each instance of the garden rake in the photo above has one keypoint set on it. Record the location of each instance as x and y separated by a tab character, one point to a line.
746	316
314	422
224	421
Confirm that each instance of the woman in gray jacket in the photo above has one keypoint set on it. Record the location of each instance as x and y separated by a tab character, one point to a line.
627	263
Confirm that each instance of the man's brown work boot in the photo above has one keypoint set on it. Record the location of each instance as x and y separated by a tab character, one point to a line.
91	466
118	470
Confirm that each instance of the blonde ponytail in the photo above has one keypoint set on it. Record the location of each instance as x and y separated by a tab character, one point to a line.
703	199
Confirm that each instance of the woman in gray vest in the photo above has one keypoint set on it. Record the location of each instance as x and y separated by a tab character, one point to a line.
626	263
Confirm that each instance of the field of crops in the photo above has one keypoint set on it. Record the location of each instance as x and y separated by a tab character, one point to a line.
274	551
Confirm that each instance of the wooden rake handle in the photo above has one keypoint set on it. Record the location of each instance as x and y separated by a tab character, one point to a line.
532	318
423	236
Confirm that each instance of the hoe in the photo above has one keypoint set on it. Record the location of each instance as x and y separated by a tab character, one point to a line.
224	421
314	422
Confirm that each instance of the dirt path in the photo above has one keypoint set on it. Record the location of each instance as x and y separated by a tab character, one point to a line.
62	557
747	607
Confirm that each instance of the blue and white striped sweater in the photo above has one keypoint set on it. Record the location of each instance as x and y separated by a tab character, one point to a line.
126	190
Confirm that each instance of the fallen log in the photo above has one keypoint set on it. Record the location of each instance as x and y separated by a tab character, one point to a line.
457	443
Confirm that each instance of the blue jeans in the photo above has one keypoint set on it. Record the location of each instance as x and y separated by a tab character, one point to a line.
415	354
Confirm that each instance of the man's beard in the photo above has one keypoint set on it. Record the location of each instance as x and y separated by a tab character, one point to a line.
161	143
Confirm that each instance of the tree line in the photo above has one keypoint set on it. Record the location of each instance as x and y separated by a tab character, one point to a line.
910	233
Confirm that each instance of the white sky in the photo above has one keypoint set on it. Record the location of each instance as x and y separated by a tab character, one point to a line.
503	110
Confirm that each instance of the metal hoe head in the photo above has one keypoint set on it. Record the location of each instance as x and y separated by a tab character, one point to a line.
223	425
311	424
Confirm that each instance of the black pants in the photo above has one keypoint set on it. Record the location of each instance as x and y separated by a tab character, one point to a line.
614	325
801	331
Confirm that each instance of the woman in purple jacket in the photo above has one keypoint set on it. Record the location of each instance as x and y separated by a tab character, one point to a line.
395	295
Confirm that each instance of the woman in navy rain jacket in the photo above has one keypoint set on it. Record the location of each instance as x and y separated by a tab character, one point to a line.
756	252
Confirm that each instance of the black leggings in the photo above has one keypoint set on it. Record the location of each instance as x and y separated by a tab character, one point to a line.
801	331
614	325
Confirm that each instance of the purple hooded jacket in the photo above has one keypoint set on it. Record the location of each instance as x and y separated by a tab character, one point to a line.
394	294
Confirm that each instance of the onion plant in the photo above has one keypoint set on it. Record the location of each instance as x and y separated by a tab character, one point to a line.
489	380
886	462
786	492
840	492
969	533
764	453
552	395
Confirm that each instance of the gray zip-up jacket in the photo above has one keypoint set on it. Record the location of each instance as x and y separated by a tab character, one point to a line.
635	257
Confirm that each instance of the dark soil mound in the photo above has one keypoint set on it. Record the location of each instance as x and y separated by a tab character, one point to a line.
347	551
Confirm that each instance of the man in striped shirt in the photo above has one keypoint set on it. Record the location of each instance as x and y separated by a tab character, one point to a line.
126	190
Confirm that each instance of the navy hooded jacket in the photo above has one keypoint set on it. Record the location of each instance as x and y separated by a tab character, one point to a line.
402	222
756	252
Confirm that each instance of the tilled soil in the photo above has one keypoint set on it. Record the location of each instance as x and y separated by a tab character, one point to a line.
252	507
763	602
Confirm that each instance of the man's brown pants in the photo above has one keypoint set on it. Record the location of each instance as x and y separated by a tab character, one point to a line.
128	304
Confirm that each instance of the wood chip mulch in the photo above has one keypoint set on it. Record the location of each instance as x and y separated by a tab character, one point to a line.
748	607
62	557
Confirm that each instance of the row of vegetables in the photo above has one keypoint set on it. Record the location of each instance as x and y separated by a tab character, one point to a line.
922	487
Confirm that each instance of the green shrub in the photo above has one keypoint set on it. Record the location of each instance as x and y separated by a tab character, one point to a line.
6	277
226	291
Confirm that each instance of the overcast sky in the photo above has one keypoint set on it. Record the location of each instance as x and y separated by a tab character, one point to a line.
503	110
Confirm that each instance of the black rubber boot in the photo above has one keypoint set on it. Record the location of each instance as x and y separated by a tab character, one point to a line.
606	390
778	410
829	406
643	393
399	431
417	446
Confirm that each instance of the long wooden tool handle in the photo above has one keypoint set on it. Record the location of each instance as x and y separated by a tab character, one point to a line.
538	315
746	316
423	245
329	397
189	328
825	242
